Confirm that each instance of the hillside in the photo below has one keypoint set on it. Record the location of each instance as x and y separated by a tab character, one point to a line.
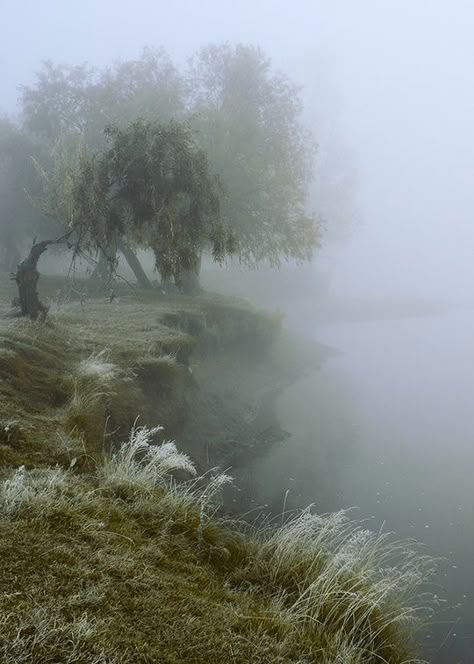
113	545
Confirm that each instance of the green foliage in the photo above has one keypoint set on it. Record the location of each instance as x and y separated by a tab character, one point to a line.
82	100
162	178
151	186
66	109
248	121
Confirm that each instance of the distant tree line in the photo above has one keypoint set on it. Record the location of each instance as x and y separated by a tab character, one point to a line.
143	155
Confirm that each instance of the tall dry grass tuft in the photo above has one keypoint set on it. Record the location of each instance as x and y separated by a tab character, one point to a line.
332	571
98	366
140	464
319	584
96	380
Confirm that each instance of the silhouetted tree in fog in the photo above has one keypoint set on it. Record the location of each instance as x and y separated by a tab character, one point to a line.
152	189
19	182
243	164
249	124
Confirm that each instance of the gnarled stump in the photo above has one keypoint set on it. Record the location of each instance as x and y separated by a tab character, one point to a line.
26	278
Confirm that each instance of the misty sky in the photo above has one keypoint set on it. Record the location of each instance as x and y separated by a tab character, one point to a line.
392	78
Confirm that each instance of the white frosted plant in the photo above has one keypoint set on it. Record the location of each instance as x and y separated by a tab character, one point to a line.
39	489
140	463
85	399
347	576
14	492
213	488
97	365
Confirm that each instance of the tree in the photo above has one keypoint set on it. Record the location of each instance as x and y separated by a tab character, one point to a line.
151	188
19	219
77	104
84	100
27	277
248	122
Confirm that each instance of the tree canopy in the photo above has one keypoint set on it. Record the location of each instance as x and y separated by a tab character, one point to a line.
151	187
229	109
84	100
248	122
19	183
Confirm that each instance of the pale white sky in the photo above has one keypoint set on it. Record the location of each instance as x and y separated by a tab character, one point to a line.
396	76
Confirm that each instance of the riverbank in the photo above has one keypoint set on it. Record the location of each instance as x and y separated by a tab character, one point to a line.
203	368
114	548
389	421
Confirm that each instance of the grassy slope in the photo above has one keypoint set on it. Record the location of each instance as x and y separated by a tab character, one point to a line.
177	362
99	568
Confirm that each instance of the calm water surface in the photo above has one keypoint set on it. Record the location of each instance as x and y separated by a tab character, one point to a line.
387	425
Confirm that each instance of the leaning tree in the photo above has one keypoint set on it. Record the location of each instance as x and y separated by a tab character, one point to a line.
248	120
80	101
150	189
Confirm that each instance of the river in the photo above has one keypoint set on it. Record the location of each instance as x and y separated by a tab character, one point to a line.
387	425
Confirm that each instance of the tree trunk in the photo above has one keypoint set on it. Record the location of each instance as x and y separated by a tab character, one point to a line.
27	277
189	280
134	263
165	279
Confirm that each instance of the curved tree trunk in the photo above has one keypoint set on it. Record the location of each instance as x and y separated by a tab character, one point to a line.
26	278
135	265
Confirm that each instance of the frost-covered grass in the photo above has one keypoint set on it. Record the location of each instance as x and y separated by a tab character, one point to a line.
128	559
98	366
24	489
140	464
332	570
132	561
163	361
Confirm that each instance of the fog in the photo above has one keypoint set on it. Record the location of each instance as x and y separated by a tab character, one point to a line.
388	93
392	81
